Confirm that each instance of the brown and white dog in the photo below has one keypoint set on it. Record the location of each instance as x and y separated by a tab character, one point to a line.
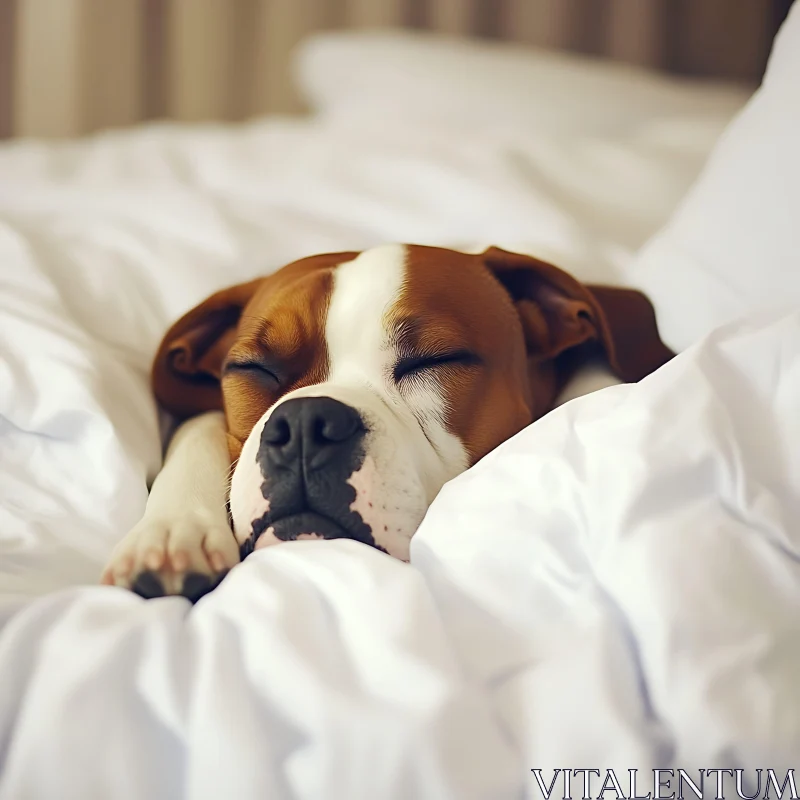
347	388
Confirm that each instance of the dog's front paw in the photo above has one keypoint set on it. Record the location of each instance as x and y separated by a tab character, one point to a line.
188	556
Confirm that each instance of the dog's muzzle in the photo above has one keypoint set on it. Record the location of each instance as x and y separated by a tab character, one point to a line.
309	448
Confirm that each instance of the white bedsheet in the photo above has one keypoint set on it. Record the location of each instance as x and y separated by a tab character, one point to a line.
616	587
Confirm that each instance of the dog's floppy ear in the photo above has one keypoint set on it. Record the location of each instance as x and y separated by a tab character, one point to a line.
188	365
563	318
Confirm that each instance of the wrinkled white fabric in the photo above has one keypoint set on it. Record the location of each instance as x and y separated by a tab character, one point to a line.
617	586
733	244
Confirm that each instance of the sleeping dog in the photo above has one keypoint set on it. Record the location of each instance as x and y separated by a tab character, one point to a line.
346	389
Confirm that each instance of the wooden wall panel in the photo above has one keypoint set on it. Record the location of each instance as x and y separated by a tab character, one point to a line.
47	74
8	24
374	13
719	37
452	16
200	59
635	31
68	67
280	27
110	63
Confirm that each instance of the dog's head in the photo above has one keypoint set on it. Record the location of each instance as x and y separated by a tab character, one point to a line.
356	384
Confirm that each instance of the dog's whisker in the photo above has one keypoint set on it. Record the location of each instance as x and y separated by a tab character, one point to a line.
229	477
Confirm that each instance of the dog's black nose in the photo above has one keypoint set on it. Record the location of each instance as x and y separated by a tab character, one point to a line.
312	431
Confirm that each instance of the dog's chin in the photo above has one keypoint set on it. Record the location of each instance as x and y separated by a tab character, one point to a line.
294	527
307	525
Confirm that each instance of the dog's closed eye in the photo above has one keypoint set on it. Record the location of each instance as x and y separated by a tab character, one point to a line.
410	366
256	369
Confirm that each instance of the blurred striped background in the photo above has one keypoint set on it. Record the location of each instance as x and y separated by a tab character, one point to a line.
68	67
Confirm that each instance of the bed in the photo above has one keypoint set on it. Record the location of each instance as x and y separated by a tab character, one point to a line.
616	588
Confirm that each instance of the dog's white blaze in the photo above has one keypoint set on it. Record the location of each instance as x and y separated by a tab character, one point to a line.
364	292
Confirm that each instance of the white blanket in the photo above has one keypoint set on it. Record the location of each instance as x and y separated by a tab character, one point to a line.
616	587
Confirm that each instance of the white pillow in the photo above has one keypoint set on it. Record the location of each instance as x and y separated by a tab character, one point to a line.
733	246
426	77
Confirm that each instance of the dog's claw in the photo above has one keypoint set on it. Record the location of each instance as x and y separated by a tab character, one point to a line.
148	585
195	585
